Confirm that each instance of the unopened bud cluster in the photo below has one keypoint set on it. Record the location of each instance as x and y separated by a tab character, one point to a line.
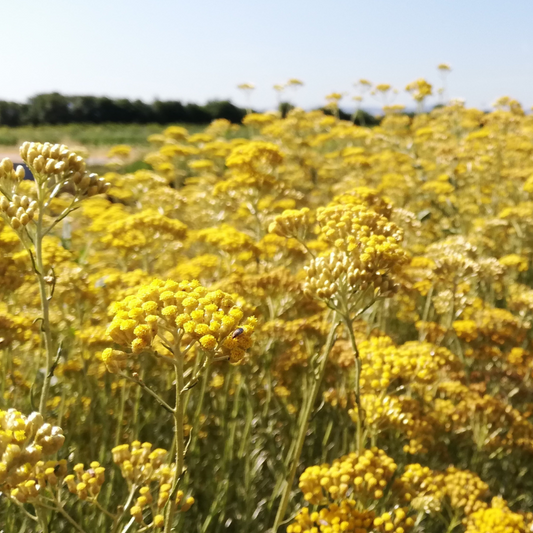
140	465
86	484
146	499
9	176
43	473
19	211
366	253
340	271
55	164
291	223
24	441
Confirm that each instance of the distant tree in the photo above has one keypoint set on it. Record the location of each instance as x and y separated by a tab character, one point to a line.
196	114
55	108
85	109
11	113
52	108
168	112
224	109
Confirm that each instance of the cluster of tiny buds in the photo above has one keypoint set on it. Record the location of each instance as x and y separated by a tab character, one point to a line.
291	223
326	274
87	483
44	473
20	211
145	499
139	464
322	275
55	163
8	172
23	442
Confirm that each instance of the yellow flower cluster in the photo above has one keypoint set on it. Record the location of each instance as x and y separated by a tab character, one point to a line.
227	239
19	211
366	476
428	487
139	230
9	179
465	490
291	223
396	521
420	89
497	518
341	517
24	441
189	312
58	166
417	362
140	464
401	414
253	165
86	484
45	474
366	253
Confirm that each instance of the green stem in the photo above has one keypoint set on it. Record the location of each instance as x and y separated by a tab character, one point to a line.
43	519
45	307
357	386
178	439
302	430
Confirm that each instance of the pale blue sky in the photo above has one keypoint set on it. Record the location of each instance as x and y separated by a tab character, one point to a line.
201	49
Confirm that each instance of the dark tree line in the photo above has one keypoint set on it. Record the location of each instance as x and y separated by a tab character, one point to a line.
55	108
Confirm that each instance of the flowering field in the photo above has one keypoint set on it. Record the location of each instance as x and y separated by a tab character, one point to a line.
310	327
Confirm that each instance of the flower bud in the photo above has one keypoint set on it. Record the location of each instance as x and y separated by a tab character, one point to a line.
7	165
81	489
54	151
137	513
45	152
50	165
93	190
85	182
24	150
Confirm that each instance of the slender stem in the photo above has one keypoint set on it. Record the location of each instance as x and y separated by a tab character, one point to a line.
120	419
42	518
302	430
45	325
128	525
63	513
357	386
142	384
104	510
178	439
120	514
21	507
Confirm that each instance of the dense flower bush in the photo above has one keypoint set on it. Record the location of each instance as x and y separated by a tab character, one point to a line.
301	325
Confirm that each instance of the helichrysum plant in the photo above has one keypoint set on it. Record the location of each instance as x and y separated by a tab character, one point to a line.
295	324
